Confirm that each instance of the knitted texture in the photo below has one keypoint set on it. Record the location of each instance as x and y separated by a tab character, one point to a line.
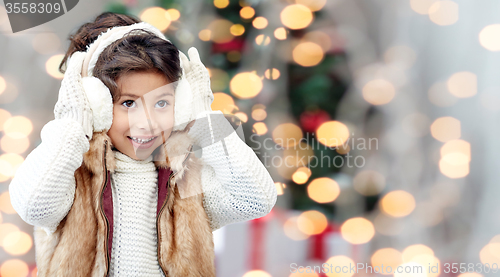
43	189
199	80
72	102
236	185
135	195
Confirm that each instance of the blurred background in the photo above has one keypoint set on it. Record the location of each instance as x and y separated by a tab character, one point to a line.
377	119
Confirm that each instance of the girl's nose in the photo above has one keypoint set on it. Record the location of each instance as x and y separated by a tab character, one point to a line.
144	119
147	121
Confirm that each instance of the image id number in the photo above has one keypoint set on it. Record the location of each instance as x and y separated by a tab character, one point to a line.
469	267
33	8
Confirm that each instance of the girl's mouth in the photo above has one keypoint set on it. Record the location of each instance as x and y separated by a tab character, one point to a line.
142	143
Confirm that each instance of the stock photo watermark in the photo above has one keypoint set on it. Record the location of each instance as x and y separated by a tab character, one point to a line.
301	154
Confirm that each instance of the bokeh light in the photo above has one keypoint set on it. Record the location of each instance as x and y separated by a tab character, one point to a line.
453	170
272	73
320	38
340	261
307	54
257	273
456	152
444	13
4	116
397	203
292	230
296	16
10	163
280	33
323	190
6	229
259	114
247	12
246	85
14	268
446	128
287	135
220	30
489	37
412	251
422	6
5	205
242	116
52	66
205	34
221	4
279	187
17	127
299	155
260	128
313	5
312	222
332	133
13	145
357	230
463	84
301	175
17	243
222	102
386	257
3	85
174	14
237	30
378	92
260	22
262	40
428	262
156	16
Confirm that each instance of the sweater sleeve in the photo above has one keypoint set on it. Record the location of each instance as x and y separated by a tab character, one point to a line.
43	188
236	185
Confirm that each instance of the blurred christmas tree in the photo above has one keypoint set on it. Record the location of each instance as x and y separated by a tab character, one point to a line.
315	79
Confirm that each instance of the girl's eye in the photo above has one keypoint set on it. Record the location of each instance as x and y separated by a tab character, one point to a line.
162	103
129	102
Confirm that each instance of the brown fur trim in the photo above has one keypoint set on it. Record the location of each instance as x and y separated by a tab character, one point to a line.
77	247
186	239
92	159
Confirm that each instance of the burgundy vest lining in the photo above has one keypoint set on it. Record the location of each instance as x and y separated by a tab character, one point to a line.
107	203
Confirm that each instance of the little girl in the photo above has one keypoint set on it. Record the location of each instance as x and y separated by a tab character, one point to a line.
115	188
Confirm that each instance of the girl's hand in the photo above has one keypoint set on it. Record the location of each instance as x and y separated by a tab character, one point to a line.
72	102
197	76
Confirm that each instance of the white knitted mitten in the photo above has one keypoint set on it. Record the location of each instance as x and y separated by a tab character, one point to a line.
72	102
199	81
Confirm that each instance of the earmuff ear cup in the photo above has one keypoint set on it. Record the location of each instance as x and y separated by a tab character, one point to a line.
101	103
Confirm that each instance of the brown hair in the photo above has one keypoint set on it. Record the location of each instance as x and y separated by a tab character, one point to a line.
136	52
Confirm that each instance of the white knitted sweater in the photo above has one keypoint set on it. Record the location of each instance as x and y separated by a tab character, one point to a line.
236	186
135	195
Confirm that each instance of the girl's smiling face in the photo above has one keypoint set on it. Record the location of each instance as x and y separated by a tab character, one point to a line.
143	117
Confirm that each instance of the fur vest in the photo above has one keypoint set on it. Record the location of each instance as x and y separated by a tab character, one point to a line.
81	244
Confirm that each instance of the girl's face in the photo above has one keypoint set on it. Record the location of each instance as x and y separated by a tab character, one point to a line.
143	117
